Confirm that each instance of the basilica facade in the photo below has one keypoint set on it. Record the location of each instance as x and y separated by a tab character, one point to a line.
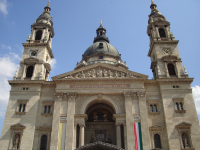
101	105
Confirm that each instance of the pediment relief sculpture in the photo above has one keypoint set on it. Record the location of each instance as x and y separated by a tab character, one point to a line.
102	73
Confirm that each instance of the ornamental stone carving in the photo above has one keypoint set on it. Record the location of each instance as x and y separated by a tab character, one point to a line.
102	73
141	95
71	96
58	96
128	95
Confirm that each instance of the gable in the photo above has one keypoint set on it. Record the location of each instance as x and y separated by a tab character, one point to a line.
17	126
99	71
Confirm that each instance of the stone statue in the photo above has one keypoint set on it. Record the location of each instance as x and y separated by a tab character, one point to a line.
116	74
82	75
122	74
171	34
93	73
128	75
185	141
99	73
110	74
16	141
29	37
89	75
105	73
77	75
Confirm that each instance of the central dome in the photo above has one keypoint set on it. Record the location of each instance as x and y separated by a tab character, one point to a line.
101	47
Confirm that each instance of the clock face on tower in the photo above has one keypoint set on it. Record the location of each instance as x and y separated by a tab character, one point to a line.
33	53
167	50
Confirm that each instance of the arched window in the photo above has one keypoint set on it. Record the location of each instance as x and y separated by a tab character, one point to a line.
155	108
43	142
49	110
157	141
162	33
29	71
185	140
177	107
151	108
45	109
171	69
181	106
38	35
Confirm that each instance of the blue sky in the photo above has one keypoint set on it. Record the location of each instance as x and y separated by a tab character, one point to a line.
75	24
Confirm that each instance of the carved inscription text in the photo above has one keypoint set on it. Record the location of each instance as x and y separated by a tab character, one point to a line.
101	86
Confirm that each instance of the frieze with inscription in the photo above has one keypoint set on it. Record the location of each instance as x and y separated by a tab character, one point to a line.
101	86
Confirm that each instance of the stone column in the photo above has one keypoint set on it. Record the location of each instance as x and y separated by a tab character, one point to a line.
129	121
166	70
82	134
34	70
144	120
33	35
158	35
56	121
75	126
176	67
69	142
118	134
125	136
24	72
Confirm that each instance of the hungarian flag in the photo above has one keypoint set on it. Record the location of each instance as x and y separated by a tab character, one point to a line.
138	136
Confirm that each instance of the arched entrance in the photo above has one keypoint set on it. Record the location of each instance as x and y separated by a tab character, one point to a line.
100	125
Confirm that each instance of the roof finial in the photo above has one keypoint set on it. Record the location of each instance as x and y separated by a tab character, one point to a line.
101	22
48	3
152	2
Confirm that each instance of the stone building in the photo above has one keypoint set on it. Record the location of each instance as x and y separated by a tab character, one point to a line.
101	104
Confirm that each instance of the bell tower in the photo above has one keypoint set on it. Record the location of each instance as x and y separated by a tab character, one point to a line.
37	55
164	54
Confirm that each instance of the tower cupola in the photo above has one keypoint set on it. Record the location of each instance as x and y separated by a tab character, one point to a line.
101	34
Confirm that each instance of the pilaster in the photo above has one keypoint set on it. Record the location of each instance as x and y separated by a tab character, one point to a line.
125	136
129	121
144	120
56	121
118	133
82	134
70	121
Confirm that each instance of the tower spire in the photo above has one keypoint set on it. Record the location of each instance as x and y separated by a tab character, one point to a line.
47	9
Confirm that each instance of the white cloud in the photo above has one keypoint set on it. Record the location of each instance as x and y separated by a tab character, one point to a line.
196	95
53	63
8	67
5	47
3	7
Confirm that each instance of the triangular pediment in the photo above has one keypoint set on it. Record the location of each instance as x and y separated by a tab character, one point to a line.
99	146
17	126
183	125
31	60
99	71
44	128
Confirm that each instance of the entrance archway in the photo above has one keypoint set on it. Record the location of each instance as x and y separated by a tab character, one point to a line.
100	125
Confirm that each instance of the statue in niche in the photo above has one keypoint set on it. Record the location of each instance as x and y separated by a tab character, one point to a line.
93	73
185	140
105	73
153	33
89	75
99	73
82	74
77	75
110	74
16	141
116	74
122	74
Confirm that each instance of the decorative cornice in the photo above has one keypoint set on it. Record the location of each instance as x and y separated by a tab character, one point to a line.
17	126
44	128
183	125
175	80
156	128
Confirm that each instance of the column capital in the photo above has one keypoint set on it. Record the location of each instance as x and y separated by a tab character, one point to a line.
58	96
117	124
128	95
82	124
71	96
141	94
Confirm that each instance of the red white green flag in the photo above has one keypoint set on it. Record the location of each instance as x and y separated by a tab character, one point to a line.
138	136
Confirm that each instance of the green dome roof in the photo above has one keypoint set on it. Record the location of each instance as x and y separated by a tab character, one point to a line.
101	47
